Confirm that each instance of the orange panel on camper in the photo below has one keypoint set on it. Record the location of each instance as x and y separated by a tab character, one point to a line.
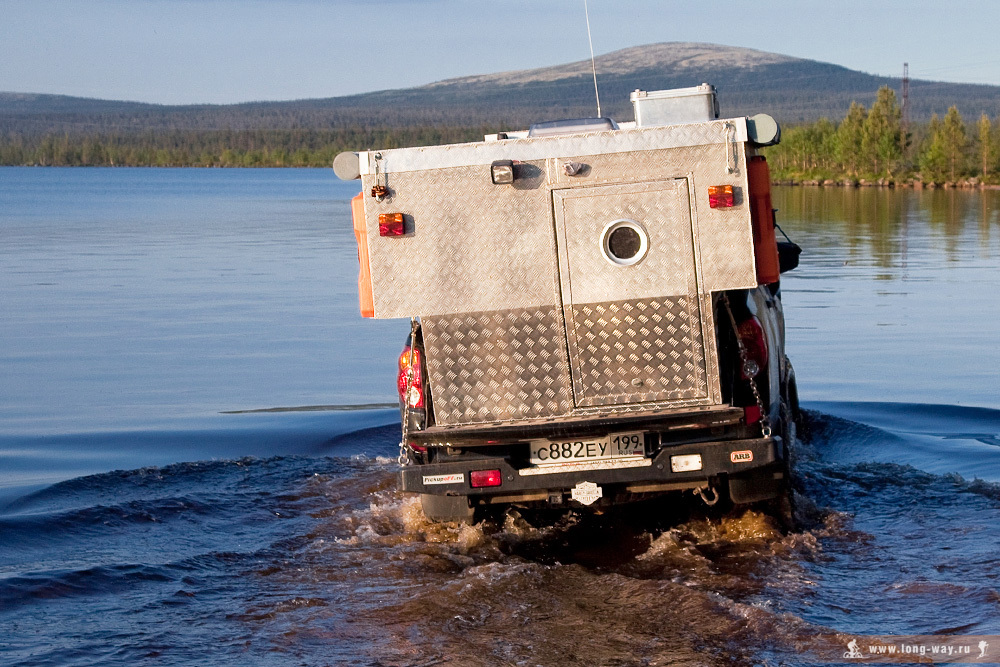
365	298
765	246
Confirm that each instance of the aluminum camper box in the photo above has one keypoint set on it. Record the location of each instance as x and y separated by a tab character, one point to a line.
572	298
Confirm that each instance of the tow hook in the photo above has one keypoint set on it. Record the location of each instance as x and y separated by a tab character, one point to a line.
700	492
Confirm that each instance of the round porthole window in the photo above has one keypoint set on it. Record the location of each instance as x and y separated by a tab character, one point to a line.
624	242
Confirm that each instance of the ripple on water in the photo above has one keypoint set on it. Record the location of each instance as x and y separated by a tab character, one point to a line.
320	560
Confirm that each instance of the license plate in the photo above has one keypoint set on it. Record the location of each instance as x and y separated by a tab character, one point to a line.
614	446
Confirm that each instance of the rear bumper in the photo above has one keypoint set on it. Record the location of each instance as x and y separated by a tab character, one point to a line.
727	457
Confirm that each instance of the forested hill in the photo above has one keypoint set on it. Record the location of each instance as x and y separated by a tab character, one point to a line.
792	90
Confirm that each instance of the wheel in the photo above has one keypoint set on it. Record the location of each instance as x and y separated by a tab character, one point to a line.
439	509
782	507
790	394
771	488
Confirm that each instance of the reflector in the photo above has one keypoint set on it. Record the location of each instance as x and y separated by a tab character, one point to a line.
685	463
481	478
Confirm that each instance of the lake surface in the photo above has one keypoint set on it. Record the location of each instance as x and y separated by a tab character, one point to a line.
141	522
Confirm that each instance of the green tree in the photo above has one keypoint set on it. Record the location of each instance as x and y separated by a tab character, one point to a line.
881	135
987	145
933	162
848	141
944	158
805	151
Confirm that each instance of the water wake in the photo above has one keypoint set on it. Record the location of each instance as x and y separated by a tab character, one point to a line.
319	559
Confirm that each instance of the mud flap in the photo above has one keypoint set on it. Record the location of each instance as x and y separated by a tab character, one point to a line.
446	508
755	488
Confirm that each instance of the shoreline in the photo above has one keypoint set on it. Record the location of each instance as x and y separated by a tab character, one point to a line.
912	184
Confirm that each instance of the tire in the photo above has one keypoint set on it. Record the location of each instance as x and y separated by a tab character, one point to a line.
771	490
791	396
440	509
782	508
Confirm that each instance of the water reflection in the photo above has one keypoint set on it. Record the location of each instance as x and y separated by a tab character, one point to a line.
877	223
895	294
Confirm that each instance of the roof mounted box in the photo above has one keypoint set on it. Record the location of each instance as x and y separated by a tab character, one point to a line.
672	107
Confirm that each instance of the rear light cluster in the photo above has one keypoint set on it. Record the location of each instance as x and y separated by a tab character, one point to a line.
751	334
721	196
391	224
416	397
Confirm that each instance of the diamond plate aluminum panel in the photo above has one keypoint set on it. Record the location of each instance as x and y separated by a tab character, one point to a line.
471	246
723	237
523	316
661	209
538	148
637	351
497	367
710	347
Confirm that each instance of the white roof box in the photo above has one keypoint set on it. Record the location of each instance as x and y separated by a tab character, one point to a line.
673	107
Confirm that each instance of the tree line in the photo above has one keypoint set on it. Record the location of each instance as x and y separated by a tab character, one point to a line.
870	144
874	145
219	148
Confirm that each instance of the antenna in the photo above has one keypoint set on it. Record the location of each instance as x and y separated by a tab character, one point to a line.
593	63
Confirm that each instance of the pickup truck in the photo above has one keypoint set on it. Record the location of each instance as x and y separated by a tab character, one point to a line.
595	311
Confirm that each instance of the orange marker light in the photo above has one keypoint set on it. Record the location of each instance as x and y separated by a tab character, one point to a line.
391	224
721	196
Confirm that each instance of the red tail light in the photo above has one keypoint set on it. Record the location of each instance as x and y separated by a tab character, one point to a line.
416	397
751	333
481	478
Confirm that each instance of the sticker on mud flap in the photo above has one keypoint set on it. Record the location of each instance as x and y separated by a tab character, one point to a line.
456	478
744	456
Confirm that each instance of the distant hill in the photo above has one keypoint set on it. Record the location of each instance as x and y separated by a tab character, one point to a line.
793	90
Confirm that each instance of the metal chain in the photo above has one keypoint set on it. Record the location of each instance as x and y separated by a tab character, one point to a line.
765	421
748	365
404	444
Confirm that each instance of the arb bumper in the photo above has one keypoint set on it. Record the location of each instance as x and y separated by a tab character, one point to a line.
676	467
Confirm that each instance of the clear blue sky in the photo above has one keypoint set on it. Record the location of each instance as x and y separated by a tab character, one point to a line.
222	51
